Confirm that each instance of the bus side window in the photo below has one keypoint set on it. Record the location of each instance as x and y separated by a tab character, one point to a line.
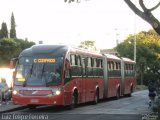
126	69
73	59
79	69
94	65
112	69
89	67
67	72
67	76
83	59
75	65
101	68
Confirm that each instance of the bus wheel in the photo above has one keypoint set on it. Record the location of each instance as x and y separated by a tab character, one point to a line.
73	102
31	106
118	94
131	91
96	97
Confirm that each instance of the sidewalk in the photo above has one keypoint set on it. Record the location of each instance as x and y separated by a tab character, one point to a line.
9	106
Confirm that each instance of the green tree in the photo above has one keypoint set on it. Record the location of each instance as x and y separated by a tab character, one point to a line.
8	50
23	44
4	31
88	44
148	54
11	48
13	27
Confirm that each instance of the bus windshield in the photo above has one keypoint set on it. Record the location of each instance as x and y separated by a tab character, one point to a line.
38	71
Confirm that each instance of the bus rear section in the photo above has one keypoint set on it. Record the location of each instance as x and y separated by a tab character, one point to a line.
128	75
119	76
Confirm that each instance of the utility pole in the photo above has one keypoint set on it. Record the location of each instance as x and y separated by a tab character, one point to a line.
117	41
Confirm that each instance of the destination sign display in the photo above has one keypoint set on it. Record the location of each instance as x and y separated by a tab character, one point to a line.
44	60
21	79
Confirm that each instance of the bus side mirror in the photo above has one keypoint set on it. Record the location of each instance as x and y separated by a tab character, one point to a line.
13	62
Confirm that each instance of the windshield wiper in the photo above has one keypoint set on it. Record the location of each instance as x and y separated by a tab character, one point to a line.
29	73
31	70
42	71
24	83
42	75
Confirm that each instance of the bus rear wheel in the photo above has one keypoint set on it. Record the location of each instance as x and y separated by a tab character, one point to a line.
96	97
73	102
131	91
118	94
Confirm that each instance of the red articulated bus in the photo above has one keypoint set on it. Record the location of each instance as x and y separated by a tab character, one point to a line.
62	75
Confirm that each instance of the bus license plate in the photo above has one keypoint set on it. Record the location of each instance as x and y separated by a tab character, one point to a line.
34	100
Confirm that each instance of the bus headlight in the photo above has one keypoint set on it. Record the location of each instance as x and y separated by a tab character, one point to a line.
15	92
58	92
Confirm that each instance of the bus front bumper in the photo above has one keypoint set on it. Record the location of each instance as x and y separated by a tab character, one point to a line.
38	100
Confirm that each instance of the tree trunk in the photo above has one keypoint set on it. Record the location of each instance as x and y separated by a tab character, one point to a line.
145	14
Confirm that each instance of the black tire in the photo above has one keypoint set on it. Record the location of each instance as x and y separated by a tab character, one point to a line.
73	102
118	94
96	97
131	91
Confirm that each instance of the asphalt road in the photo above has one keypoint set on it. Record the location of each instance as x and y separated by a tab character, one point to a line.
126	108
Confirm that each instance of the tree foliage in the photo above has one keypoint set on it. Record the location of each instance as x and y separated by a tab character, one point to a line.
8	49
4	31
13	27
146	13
148	54
11	47
89	45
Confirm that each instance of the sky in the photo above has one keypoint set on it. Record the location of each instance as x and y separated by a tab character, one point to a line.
57	22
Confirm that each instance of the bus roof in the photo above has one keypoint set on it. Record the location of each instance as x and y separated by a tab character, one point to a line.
112	57
57	50
85	51
128	60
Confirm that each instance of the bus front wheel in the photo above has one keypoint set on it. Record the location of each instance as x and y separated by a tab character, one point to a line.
131	91
74	101
118	94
